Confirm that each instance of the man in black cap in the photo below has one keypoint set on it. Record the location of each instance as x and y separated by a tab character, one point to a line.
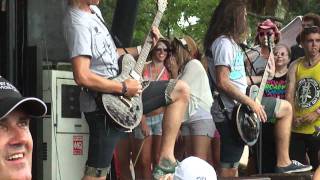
15	139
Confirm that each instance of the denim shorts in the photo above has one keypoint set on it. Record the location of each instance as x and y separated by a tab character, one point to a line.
155	125
205	127
102	140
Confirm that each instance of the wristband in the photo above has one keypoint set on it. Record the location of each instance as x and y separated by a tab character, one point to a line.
318	111
124	88
139	49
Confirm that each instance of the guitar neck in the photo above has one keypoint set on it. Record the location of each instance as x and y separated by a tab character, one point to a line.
264	79
147	46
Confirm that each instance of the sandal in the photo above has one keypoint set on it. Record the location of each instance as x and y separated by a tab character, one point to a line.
166	167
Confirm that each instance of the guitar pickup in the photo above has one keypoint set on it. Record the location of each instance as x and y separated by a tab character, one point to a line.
126	101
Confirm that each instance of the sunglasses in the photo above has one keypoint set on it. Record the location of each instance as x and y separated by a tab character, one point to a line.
182	42
280	54
161	49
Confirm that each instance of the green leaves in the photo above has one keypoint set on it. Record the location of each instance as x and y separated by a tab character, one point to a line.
285	10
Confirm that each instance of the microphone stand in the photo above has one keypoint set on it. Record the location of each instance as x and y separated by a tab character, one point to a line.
269	44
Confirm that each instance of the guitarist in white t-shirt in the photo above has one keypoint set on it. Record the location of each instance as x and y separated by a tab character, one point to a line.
226	67
94	59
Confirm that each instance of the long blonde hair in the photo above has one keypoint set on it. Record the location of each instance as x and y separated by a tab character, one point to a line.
185	49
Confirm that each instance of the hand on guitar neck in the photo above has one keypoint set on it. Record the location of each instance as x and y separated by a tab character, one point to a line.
271	69
156	35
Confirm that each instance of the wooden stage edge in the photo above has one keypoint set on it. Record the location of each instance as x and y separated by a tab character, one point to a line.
274	176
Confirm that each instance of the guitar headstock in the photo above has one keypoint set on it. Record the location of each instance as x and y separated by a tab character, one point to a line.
162	5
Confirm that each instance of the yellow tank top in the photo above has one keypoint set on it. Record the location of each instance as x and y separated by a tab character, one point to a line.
307	94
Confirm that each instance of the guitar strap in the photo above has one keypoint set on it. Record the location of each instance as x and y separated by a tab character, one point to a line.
215	93
114	37
251	65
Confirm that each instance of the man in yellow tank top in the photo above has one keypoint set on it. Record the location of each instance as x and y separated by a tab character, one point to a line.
303	92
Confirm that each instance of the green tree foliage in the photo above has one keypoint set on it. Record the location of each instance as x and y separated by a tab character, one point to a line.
176	9
282	10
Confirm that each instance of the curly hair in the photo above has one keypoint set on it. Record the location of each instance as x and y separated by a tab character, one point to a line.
227	19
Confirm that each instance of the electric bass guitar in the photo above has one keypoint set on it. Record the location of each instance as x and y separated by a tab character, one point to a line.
247	122
127	112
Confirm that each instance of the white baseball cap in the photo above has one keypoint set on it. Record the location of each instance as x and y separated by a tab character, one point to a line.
194	168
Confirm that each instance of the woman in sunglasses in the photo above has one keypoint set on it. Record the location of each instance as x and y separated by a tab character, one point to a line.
198	127
267	35
148	134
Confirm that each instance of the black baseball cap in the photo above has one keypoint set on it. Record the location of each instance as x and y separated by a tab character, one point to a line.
10	99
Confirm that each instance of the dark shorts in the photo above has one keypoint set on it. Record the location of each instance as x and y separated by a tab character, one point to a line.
104	136
271	107
231	144
157	94
102	140
302	144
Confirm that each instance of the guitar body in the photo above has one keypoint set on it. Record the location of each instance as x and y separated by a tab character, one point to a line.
126	112
247	123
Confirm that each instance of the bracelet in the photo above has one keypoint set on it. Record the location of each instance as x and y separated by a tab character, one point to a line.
124	88
139	49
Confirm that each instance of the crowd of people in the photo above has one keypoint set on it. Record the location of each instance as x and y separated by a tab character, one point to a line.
189	101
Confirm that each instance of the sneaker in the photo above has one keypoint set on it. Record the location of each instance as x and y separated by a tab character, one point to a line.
164	167
295	166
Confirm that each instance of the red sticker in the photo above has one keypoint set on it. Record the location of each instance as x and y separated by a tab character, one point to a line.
77	145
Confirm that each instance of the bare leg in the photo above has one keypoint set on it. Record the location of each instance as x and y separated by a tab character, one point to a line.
93	178
143	166
200	146
156	144
179	149
124	156
229	172
282	133
172	120
215	152
187	146
317	174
